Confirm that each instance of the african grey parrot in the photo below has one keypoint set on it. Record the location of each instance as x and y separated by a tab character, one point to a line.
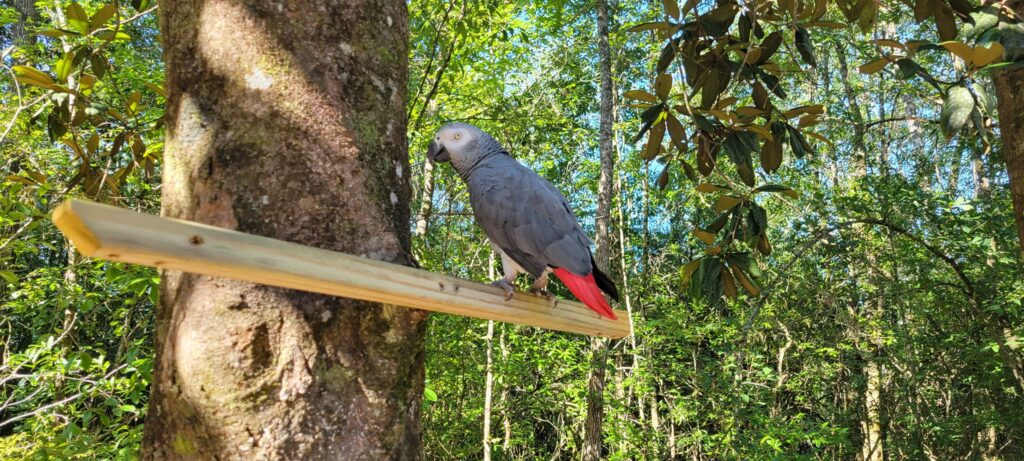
526	219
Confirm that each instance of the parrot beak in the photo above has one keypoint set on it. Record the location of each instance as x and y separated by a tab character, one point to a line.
437	153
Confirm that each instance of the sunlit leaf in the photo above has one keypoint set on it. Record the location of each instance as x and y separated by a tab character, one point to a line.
640	95
956	110
704	236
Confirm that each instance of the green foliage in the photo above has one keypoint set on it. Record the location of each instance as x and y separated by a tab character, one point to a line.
838	222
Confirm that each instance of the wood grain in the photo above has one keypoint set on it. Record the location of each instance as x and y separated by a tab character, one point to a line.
116	234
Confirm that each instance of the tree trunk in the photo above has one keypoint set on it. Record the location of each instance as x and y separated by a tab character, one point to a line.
288	121
489	372
1010	96
599	346
426	199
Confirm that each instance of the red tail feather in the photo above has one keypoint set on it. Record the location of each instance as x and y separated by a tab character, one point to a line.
586	290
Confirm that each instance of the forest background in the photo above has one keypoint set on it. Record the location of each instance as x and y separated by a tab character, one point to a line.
816	240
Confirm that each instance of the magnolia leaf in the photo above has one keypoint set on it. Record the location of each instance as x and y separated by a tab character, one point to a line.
32	74
956	110
923	10
8	276
815	109
709	188
962	51
745	282
109	35
728	284
689	269
676	133
821	138
888	43
663	85
640	95
704	236
63	66
56	33
873	66
654	141
727	202
805	47
763	245
751	111
760	130
77	18
651	26
771	154
671	8
156	89
789	192
944	23
770	44
984	55
102	16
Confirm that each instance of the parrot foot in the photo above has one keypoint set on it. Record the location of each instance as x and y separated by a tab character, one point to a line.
505	285
542	292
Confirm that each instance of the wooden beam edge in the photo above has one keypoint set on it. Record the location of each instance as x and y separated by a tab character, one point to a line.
74	217
69	223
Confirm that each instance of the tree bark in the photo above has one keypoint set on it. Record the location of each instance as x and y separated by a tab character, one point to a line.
599	346
288	121
1010	97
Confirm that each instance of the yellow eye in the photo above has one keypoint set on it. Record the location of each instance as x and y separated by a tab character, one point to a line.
458	135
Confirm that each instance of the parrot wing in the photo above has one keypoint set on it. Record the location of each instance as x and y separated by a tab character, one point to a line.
528	219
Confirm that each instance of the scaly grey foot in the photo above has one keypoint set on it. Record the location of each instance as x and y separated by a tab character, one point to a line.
505	285
542	292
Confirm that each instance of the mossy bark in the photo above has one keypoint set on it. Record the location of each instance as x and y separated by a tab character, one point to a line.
286	120
1010	96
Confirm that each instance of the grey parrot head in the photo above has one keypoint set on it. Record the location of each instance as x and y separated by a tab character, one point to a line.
460	143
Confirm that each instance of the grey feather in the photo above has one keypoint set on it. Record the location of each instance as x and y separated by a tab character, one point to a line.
526	217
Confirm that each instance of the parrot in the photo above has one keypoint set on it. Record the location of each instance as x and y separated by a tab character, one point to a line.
527	220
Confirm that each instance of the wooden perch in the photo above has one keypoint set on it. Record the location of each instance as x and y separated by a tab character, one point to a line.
107	232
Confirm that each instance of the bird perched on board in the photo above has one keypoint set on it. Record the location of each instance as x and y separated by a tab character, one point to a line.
526	219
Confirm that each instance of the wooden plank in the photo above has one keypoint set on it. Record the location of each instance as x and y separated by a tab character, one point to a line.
116	234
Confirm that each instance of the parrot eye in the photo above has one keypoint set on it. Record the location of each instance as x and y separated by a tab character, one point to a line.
458	135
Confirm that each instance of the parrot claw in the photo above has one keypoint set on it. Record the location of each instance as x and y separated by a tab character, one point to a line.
505	285
542	292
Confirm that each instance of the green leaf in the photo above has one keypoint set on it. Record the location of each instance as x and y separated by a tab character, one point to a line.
32	74
640	95
778	189
9	276
956	110
63	66
56	33
109	35
102	16
77	18
429	394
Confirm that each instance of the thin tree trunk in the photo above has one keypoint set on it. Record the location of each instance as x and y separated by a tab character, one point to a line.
426	199
27	17
489	372
276	131
599	346
1010	96
506	420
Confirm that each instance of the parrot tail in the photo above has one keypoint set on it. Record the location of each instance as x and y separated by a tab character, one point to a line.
585	288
